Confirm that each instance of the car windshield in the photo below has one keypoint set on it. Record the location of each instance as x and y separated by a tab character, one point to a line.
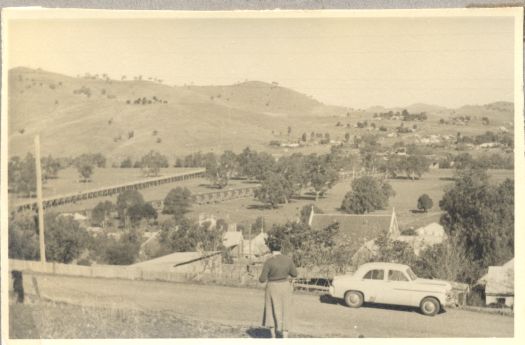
411	274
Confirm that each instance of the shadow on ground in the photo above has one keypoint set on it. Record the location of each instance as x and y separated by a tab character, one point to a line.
258	332
259	207
327	299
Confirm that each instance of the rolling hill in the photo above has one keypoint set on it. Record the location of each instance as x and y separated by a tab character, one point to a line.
122	118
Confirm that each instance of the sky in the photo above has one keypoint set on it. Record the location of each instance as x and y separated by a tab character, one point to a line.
354	62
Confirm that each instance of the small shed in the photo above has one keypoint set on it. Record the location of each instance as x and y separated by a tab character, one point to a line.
499	284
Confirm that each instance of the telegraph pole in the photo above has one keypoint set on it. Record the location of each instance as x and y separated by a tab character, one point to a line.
39	201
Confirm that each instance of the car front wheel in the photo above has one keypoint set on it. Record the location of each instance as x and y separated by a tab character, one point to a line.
354	299
429	306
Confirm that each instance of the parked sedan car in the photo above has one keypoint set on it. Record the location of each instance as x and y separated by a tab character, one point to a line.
390	283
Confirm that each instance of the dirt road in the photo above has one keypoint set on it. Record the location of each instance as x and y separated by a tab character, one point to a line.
243	307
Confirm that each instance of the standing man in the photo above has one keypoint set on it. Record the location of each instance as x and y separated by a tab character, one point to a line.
278	296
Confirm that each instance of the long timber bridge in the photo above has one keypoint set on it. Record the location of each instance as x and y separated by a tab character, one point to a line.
59	200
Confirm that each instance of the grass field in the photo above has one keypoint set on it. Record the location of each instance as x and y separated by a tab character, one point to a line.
405	200
68	183
245	211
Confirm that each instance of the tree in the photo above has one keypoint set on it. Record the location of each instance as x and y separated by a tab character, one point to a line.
50	168
274	190
101	213
127	200
255	165
23	236
22	175
306	210
85	170
138	212
368	194
389	250
183	236
65	238
321	175
415	166
304	137
126	163
292	168
152	162
123	251
178	202
244	159
480	215
308	247
220	170
424	202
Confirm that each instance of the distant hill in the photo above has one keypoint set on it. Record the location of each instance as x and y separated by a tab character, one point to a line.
499	112
120	118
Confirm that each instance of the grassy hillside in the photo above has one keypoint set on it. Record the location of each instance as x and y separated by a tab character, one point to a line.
75	115
130	117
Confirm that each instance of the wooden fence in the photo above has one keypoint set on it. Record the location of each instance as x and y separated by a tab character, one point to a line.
63	199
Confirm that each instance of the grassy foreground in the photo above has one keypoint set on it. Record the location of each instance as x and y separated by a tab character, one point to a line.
58	320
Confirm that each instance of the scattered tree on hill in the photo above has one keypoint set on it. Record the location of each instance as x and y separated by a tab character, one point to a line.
424	202
485	121
95	159
178	202
367	195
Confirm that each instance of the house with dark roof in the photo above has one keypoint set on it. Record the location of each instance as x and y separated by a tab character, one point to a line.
359	229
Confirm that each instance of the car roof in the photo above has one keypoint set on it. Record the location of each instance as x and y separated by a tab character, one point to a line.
387	265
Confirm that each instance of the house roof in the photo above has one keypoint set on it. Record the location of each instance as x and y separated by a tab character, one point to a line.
358	228
232	238
499	280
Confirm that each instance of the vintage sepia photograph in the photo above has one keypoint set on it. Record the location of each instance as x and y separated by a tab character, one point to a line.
260	174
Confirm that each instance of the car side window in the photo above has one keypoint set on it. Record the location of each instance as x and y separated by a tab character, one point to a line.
397	276
375	275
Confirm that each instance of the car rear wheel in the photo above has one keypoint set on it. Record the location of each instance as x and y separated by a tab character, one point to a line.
429	306
354	299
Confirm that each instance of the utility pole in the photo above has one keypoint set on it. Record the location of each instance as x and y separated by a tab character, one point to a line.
39	201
